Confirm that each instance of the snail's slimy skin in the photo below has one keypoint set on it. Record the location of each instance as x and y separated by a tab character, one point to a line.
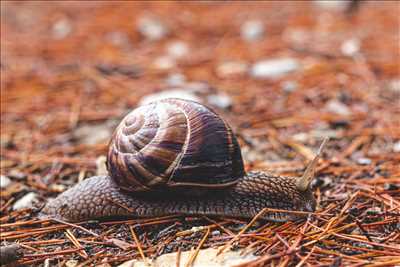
99	197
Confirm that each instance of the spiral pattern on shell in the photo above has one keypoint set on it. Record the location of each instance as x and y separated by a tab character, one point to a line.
174	143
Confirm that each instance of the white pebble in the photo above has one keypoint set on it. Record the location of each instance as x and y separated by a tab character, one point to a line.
89	134
164	63
61	29
118	38
364	161
177	49
252	30
332	4
289	86
396	146
230	68
26	201
337	107
273	68
178	93
17	174
198	87
175	79
394	85
151	28
4	181
221	101
72	263
350	47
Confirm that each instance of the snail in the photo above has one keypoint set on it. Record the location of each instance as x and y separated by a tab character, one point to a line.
176	156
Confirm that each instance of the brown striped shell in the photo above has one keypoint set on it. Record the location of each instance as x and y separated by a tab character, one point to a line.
174	143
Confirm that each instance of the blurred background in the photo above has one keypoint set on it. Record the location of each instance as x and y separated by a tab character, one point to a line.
278	71
283	74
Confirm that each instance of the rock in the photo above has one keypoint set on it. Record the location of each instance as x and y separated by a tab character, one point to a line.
61	29
350	47
177	93
176	79
215	233
388	186
93	134
58	187
164	63
4	181
231	68
221	101
17	174
198	87
289	86
152	28
72	263
101	168
273	68
177	49
252	30
206	257
26	201
118	38
394	85
364	161
337	107
396	146
334	5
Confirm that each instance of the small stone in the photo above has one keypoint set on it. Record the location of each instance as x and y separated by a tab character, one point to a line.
338	5
101	168
210	257
350	47
152	28
394	85
198	87
26	201
252	30
177	49
71	263
289	86
334	106
176	79
164	63
231	68
273	68
93	134
4	181
118	38
301	137
58	187
387	186
182	94
364	161
221	101
17	174
396	146
61	28
215	233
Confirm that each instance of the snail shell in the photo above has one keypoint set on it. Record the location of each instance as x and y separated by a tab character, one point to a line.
174	144
165	156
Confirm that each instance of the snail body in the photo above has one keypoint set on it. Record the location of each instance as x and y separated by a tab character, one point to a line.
178	157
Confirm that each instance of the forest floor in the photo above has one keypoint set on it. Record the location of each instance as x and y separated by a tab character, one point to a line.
284	75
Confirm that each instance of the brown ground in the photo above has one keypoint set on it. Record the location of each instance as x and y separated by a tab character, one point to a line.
67	68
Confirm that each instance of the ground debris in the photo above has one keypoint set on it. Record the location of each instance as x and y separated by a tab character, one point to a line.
72	71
